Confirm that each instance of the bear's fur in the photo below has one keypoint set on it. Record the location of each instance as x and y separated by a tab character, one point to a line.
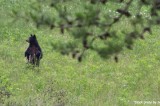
33	52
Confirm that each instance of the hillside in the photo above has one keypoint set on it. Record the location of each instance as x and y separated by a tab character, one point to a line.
61	80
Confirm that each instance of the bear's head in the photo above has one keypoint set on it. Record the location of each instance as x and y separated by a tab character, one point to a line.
32	39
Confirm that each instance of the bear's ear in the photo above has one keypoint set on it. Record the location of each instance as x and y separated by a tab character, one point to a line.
34	36
31	35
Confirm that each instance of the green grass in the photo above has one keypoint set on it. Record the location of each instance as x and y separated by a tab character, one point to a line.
62	80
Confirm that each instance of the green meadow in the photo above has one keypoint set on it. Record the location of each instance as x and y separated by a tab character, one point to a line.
61	80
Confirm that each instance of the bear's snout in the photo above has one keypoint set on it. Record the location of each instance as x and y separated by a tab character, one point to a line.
27	40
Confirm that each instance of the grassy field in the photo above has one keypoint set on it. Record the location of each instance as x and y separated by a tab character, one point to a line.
62	81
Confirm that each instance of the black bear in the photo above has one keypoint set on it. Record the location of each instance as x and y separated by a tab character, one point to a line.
33	52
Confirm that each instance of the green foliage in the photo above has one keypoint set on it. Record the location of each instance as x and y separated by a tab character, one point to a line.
4	88
60	80
89	21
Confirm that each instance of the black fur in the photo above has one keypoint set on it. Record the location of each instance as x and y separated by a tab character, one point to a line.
33	52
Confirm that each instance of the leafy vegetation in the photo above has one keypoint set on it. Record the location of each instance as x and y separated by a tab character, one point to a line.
95	22
60	80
